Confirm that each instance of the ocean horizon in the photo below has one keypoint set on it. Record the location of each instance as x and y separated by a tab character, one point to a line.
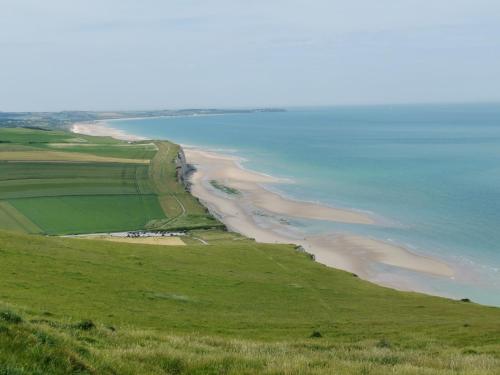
430	174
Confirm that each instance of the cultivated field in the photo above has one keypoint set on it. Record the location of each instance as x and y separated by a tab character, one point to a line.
54	182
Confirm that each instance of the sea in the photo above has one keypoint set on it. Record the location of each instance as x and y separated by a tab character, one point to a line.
430	174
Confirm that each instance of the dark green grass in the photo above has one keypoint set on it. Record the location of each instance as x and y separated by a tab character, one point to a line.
19	180
39	137
30	136
88	214
225	189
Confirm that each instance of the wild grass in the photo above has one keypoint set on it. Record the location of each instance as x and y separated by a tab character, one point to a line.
229	288
40	344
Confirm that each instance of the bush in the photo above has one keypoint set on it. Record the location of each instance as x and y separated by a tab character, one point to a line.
10	317
316	334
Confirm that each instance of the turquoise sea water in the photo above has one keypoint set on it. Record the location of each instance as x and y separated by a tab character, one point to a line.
430	172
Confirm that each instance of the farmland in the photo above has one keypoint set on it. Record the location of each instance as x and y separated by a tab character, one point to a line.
54	182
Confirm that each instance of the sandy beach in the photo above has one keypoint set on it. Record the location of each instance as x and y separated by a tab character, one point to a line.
99	129
237	197
254	211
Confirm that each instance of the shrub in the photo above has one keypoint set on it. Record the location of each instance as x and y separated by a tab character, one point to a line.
85	325
316	334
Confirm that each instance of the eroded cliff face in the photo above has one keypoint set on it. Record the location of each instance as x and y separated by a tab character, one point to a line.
183	170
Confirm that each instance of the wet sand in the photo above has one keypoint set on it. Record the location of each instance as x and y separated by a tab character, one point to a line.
256	212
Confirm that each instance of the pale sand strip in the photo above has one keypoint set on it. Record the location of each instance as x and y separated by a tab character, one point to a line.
100	130
226	170
40	156
355	253
255	213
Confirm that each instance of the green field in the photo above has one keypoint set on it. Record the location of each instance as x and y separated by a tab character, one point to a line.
89	214
28	179
70	196
222	304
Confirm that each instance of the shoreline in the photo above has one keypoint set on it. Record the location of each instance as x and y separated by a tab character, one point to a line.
95	128
247	207
262	214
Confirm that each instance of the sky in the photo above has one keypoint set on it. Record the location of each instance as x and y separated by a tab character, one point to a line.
161	54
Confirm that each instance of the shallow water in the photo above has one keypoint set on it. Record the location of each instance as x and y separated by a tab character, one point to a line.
431	173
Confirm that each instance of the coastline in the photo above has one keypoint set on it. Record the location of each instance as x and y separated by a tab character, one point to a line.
235	195
95	128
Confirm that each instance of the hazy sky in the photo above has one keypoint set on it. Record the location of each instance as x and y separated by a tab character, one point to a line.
148	54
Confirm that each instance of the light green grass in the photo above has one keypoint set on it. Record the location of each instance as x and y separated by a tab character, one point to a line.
128	151
234	308
44	345
88	214
240	289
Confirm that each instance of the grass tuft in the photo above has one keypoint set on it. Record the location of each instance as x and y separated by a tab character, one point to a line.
10	317
316	334
383	343
85	325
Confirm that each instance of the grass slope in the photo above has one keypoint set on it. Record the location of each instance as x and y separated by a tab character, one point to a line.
181	208
179	309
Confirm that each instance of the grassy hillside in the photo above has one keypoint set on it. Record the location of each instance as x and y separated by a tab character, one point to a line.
222	304
55	182
185	306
